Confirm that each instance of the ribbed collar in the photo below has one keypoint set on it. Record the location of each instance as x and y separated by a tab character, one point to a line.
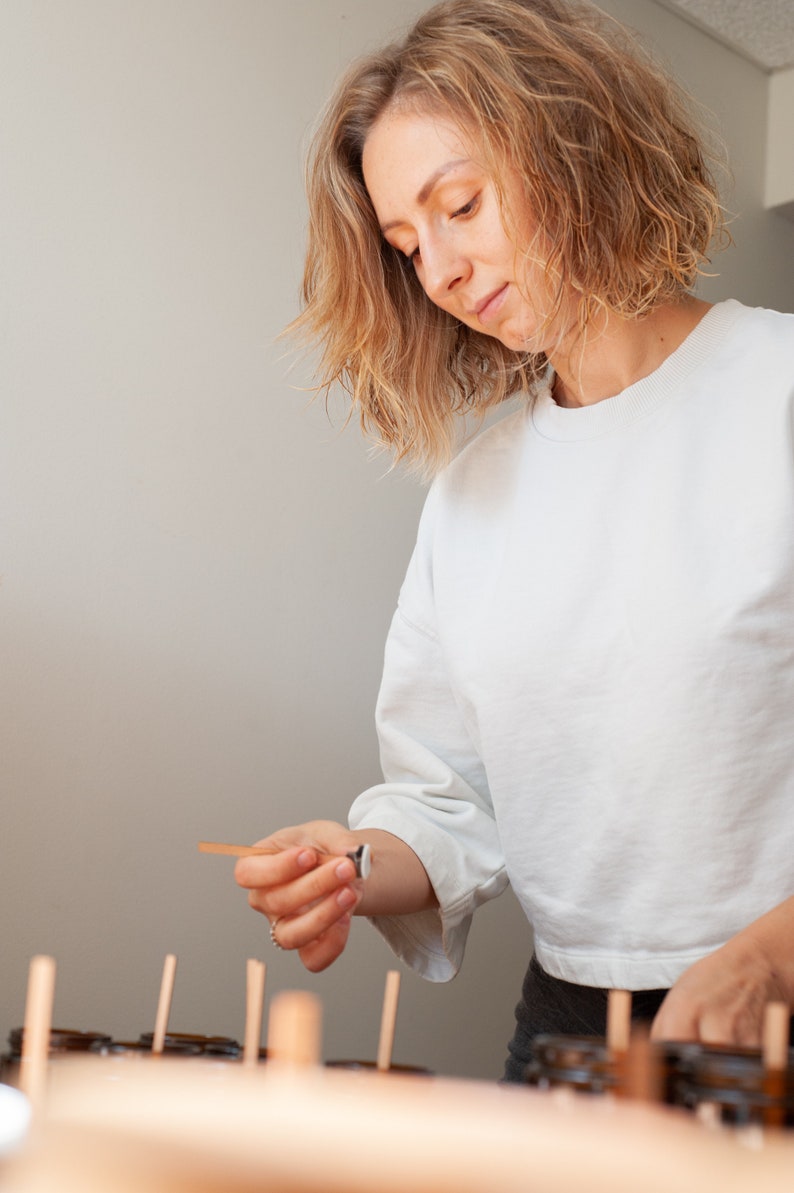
587	422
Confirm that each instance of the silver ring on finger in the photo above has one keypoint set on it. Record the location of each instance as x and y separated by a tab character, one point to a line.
273	927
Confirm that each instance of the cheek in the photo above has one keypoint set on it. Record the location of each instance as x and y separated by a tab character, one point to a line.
498	247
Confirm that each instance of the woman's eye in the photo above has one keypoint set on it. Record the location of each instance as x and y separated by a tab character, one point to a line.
466	209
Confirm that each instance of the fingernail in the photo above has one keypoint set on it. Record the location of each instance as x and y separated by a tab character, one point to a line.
305	859
346	898
345	871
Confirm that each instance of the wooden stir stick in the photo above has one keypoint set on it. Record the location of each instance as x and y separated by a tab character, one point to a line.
254	1003
361	857
388	1020
36	1033
164	1004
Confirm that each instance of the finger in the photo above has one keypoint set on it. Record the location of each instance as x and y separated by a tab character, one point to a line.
299	931
309	889
730	1026
321	953
274	869
262	901
674	1023
725	1025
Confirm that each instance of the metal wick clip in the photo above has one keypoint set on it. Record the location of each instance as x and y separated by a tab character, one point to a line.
362	860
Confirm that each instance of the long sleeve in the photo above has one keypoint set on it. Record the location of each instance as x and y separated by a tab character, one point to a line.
435	794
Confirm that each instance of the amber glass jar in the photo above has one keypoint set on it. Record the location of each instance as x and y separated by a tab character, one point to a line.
63	1041
581	1063
186	1044
586	1064
734	1082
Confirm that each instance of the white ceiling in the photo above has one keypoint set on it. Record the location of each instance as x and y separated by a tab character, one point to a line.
761	30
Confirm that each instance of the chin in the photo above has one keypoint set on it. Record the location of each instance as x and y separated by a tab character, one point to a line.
518	343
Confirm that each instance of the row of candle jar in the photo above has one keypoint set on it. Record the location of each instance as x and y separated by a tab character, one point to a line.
65	1042
731	1085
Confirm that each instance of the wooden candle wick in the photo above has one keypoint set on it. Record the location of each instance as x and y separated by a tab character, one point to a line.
361	857
640	1071
254	1003
775	1036
388	1020
36	1033
774	1047
618	1020
618	1038
164	1004
293	1035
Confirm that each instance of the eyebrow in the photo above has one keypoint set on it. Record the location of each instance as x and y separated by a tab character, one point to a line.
427	189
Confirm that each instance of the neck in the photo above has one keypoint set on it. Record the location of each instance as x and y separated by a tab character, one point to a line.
615	353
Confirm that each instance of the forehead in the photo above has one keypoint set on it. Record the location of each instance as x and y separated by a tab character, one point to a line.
399	128
405	150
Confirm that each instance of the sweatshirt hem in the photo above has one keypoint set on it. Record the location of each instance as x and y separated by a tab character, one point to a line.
657	972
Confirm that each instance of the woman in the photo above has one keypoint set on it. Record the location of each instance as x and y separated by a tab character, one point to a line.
588	686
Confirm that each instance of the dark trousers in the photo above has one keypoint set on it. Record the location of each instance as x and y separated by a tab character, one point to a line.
550	1005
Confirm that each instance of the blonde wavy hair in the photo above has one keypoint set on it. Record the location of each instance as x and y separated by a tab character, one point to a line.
613	170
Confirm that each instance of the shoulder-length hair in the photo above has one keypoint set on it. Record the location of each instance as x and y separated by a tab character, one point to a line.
613	172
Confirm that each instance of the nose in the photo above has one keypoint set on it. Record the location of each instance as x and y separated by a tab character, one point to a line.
442	269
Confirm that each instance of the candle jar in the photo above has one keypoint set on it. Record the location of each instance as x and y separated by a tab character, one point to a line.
63	1042
581	1063
735	1085
187	1044
587	1065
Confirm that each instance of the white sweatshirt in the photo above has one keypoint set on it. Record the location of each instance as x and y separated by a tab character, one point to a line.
589	681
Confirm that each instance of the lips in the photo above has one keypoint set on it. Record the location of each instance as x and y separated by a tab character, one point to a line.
487	308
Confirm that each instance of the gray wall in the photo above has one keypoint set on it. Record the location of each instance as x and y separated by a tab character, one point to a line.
198	566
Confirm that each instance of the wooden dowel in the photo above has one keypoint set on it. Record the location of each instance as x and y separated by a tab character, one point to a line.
388	1019
774	1050
639	1071
293	1034
775	1036
361	857
36	1033
164	1004
618	1020
254	1004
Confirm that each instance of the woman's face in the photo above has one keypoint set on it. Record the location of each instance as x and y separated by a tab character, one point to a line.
437	205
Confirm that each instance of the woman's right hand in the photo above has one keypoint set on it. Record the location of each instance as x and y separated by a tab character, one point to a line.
306	887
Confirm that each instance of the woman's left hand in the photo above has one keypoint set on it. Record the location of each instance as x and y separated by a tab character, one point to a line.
721	999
